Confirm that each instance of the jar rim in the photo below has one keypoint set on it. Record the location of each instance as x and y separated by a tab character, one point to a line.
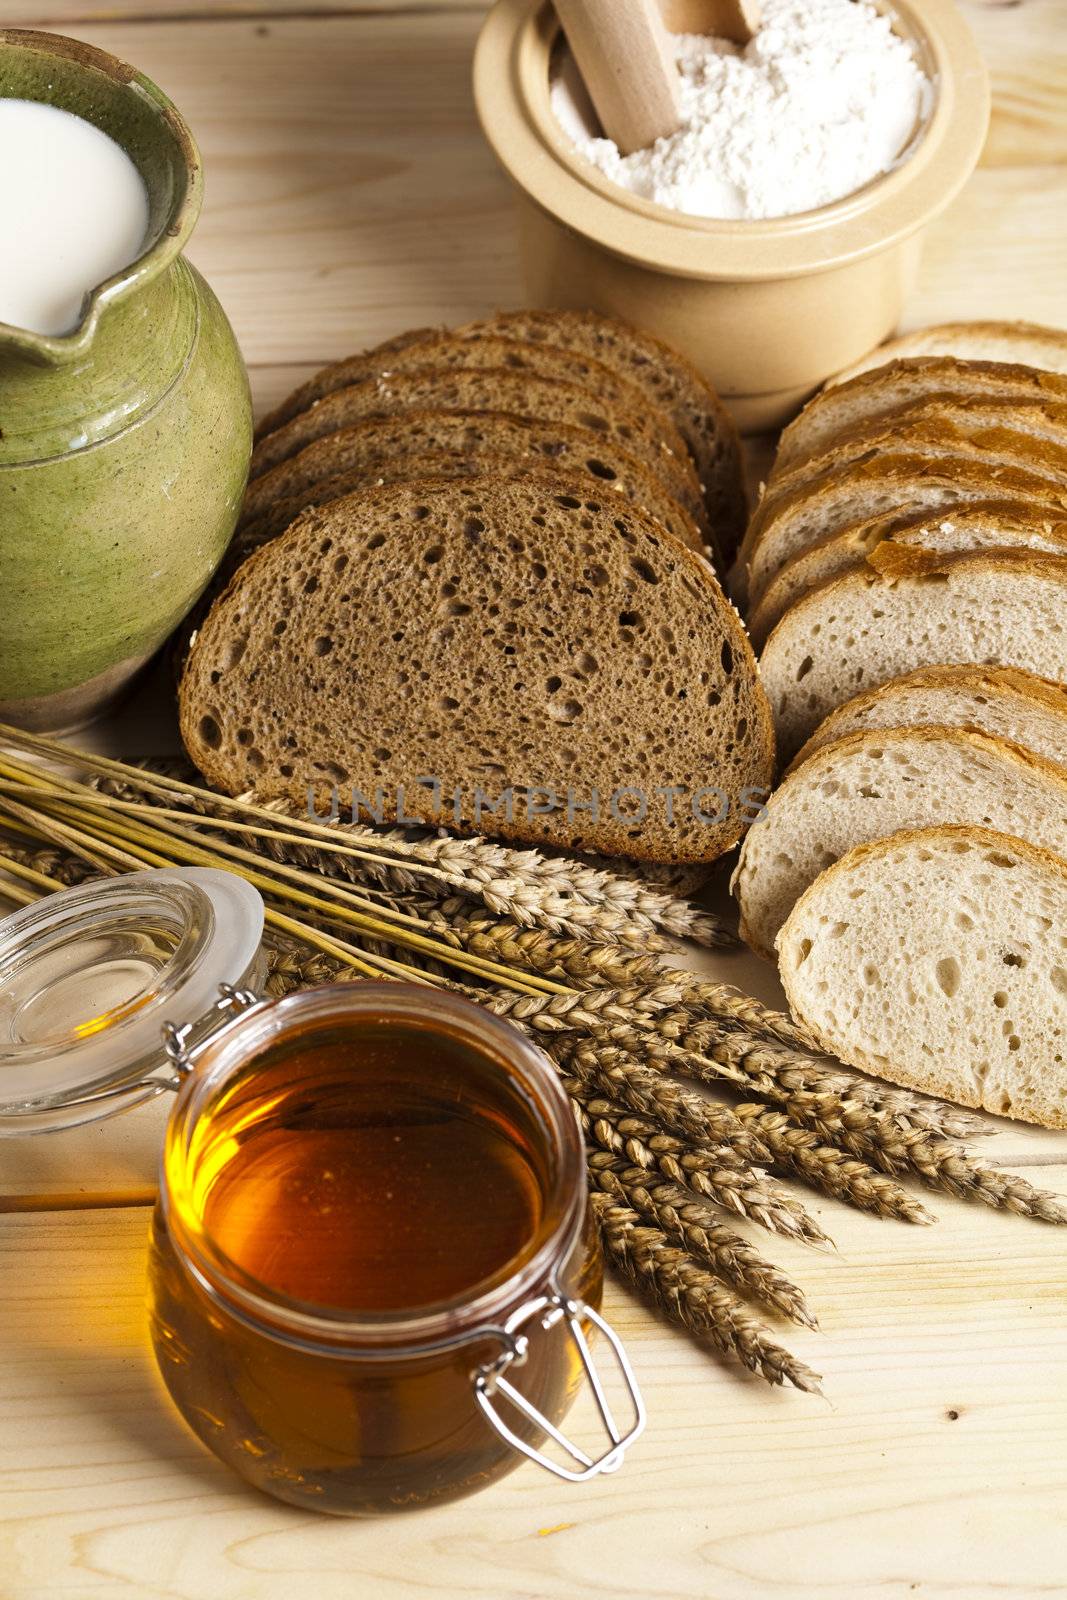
511	72
171	233
402	1331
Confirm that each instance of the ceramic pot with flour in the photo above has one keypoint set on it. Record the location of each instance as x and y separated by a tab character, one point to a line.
125	418
767	302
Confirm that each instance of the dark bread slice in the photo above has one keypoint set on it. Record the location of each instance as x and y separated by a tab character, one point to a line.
881	390
518	394
446	352
555	446
375	357
496	637
633	484
667	378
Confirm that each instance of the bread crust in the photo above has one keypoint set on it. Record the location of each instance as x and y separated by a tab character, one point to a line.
1017	339
934	379
395	390
821	763
969	479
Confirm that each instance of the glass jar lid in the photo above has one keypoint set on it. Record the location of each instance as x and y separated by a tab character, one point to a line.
90	977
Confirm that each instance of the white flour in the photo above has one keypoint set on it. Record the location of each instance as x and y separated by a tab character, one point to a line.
822	100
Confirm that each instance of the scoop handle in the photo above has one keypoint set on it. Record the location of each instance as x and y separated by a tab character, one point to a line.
623	52
736	20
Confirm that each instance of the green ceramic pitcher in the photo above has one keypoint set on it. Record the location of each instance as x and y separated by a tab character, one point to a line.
124	445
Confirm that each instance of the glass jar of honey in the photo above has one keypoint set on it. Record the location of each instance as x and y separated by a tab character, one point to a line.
373	1274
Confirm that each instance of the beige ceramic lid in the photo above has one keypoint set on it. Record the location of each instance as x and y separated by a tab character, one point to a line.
511	86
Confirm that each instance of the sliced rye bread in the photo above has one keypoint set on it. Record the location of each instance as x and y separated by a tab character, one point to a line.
1030	434
893	485
922	379
668	379
369	360
988	608
518	394
971	1004
868	785
445	352
410	468
496	637
372	449
1000	701
1027	344
986	525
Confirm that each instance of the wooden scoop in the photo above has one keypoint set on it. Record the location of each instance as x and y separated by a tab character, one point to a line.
623	51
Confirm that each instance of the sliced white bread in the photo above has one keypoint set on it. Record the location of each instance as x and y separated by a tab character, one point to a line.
1030	435
868	785
1000	701
969	1003
501	638
912	609
1028	344
920	379
994	524
898	485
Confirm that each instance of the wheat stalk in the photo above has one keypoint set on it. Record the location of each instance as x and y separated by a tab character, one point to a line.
692	1223
712	1171
843	1177
693	1296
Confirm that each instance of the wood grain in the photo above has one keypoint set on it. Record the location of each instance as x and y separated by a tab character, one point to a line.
935	1465
1024	43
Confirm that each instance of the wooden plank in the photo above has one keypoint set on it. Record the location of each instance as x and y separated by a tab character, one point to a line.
998	251
935	1464
1023	42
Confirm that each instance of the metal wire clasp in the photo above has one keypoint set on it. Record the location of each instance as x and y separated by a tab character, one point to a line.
490	1382
180	1052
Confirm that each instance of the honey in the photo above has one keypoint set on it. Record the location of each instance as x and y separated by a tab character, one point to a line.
354	1175
348	1220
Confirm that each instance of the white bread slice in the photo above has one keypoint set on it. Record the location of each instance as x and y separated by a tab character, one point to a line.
912	609
969	1004
898	485
1003	524
868	785
1028	344
1030	434
1000	701
531	640
919	379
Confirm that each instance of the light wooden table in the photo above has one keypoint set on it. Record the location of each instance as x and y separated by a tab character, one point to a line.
349	196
